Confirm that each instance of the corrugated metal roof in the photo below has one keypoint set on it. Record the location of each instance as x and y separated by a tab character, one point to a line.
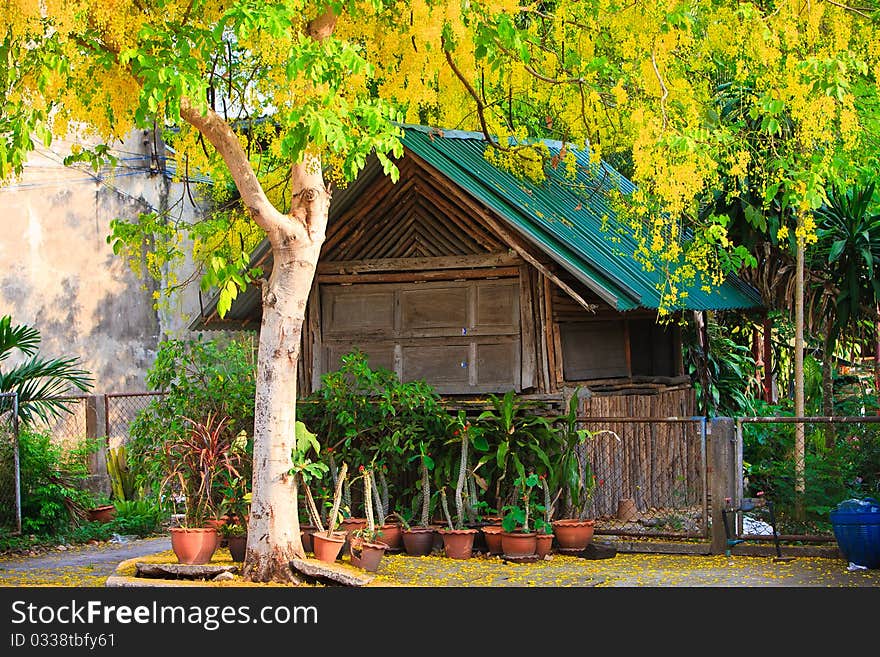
564	218
561	217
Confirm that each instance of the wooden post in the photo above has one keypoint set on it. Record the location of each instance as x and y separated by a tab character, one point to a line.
96	426
723	449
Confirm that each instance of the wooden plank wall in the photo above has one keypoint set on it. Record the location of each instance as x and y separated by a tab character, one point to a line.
657	464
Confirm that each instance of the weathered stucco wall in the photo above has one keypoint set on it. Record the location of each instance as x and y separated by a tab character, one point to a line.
59	274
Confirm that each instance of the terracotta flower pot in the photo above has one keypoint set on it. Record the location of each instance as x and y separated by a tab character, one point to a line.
194	545
327	547
519	544
544	543
418	541
104	513
367	555
458	543
573	534
347	526
391	534
305	532
492	537
237	547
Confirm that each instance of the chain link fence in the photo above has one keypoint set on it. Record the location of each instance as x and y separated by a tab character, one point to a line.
649	476
70	426
10	474
840	460
120	410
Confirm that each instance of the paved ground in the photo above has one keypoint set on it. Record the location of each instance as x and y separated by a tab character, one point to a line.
79	566
91	565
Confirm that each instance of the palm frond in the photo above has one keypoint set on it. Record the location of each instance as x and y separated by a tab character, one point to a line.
24	338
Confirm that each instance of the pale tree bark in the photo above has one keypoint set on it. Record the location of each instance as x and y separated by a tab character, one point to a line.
296	239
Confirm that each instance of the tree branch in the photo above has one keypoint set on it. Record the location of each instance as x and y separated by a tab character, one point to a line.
855	10
224	139
473	93
662	86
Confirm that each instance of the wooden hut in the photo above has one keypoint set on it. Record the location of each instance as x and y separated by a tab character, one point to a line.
476	281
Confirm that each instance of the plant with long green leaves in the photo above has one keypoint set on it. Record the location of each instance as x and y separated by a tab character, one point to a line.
40	383
512	437
571	473
848	250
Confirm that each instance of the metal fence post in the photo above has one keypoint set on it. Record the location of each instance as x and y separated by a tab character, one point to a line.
722	466
16	448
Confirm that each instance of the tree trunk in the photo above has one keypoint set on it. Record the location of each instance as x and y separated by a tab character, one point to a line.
768	360
296	239
273	533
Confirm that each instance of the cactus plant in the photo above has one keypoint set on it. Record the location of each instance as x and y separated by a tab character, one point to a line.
121	478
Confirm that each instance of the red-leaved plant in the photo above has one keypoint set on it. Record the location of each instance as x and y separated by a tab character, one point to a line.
196	461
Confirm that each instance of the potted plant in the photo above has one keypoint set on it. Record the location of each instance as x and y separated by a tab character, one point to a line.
512	438
196	460
327	544
235	535
102	511
366	548
307	470
544	538
574	478
518	539
458	540
418	540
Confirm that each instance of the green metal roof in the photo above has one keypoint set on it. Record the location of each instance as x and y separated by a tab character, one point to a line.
564	217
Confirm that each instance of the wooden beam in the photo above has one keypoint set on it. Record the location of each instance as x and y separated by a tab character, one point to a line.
342	267
510	239
407	277
315	341
528	358
554	343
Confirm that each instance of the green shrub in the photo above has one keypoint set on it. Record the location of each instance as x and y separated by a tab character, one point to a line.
198	378
141	517
840	461
368	417
52	479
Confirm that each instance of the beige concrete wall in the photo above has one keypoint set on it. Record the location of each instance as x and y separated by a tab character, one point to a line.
59	274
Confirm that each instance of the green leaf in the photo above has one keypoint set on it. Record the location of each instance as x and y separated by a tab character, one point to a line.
501	454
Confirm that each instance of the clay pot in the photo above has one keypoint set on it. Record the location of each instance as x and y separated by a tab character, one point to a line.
349	525
327	546
544	543
104	513
391	534
217	523
458	543
519	544
492	537
418	541
479	540
194	546
573	534
626	510
237	547
305	532
366	554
